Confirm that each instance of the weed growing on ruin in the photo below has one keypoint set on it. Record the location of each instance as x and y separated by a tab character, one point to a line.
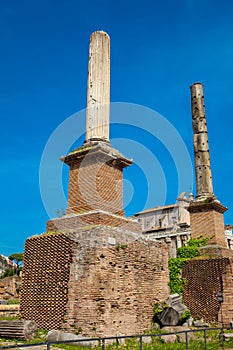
10	318
13	301
47	233
122	246
185	316
185	253
158	307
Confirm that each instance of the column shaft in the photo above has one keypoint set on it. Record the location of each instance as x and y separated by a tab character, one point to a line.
204	186
98	90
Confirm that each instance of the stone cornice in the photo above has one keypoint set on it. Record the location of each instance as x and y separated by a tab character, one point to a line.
204	206
97	149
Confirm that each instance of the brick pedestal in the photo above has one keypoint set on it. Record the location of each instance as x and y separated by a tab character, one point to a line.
95	178
206	219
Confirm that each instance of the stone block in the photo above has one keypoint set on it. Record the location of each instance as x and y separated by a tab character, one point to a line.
55	335
170	338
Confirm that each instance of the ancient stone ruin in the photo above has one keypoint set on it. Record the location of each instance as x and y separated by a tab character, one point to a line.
206	212
212	273
92	272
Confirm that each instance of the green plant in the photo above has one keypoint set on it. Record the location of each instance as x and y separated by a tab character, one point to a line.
50	233
13	301
176	282
17	258
8	273
79	330
185	316
213	342
122	246
159	307
9	318
185	253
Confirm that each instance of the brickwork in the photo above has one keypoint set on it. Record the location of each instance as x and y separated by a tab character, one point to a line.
43	294
227	306
103	280
112	290
95	179
103	236
205	278
107	194
69	223
207	219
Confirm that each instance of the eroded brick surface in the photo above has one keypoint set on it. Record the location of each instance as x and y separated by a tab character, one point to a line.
207	220
112	290
72	222
205	278
103	281
95	181
46	271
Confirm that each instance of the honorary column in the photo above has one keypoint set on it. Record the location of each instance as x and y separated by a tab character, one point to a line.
98	90
204	187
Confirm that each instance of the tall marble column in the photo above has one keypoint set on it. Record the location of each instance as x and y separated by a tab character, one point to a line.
98	89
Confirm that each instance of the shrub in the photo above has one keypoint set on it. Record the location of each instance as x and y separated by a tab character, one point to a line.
185	253
8	273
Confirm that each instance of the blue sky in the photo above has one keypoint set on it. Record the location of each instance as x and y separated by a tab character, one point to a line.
158	49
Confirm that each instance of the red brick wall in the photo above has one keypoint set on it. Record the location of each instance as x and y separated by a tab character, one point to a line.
89	282
95	183
43	295
205	278
227	306
210	224
113	290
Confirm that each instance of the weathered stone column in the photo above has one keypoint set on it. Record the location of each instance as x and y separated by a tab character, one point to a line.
204	187
96	169
206	212
98	89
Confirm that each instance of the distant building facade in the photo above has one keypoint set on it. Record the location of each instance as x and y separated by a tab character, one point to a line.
171	223
5	263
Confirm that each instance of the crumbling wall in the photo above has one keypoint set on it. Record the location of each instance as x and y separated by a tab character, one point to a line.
101	281
112	290
72	222
205	278
9	287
